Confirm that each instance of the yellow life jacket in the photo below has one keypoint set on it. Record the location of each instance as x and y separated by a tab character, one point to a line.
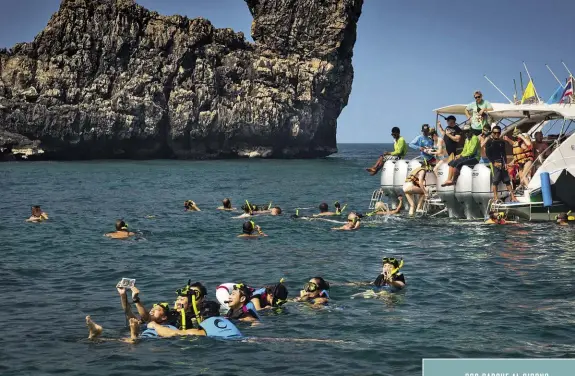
521	155
413	176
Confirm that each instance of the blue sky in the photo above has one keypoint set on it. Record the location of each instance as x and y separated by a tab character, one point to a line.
410	56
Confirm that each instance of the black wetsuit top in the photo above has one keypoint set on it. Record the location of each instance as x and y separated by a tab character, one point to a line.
380	280
450	145
495	150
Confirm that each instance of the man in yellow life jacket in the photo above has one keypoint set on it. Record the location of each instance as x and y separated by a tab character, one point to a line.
415	185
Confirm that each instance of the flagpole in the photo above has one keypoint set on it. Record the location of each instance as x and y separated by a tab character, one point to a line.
533	83
521	81
555	76
497	89
570	74
515	94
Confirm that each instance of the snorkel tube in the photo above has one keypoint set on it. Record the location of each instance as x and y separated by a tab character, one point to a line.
393	261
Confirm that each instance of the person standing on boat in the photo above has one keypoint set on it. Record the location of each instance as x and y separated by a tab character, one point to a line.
415	185
522	155
468	157
424	143
451	136
439	149
399	151
478	112
495	151
484	137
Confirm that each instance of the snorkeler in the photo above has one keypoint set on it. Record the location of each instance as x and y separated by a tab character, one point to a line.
248	230
121	232
226	205
353	223
37	215
390	275
324	211
316	291
562	219
269	296
241	308
192	307
190	205
496	218
382	209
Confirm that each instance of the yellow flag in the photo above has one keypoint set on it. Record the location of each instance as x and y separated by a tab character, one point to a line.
529	91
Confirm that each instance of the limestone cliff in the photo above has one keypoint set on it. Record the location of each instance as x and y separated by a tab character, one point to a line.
110	79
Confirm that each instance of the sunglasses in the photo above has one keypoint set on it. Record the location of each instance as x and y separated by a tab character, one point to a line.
476	97
496	132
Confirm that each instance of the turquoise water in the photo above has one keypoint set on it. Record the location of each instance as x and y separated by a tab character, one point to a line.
473	290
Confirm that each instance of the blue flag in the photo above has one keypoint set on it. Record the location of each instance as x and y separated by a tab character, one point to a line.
557	95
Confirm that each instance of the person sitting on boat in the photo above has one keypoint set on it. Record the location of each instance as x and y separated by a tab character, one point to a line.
324	211
424	144
226	205
241	308
382	209
316	292
468	157
478	111
390	276
121	232
189	205
415	185
439	151
37	215
399	151
451	136
270	296
249	229
495	151
353	223
484	137
522	155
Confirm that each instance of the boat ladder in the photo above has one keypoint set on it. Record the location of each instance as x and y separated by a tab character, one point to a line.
376	196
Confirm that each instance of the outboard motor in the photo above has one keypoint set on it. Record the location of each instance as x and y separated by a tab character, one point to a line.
464	193
447	194
387	173
482	188
399	176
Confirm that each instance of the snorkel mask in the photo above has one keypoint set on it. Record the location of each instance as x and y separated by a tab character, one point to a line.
194	294
393	261
165	306
310	287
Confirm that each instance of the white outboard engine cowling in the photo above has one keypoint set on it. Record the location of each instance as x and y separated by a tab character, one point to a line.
447	194
387	173
399	176
482	188
464	193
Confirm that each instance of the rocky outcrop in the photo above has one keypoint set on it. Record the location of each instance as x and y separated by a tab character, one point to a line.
110	79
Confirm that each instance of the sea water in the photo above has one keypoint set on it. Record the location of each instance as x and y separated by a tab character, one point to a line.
472	290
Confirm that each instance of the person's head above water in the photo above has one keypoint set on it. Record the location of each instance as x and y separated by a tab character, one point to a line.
240	296
160	313
187	294
323	207
353	218
391	265
277	294
248	227
36	211
227	203
562	218
316	286
276	211
121	225
380	205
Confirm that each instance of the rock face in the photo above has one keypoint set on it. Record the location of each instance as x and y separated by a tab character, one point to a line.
110	79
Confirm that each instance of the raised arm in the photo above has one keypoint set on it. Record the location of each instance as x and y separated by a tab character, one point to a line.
125	306
142	311
415	143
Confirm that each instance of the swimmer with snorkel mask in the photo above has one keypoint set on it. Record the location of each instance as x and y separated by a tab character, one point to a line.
316	291
563	219
121	232
248	231
390	275
353	223
190	205
37	215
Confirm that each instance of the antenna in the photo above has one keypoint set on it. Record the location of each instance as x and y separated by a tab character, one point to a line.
554	76
570	74
515	93
497	89
521	80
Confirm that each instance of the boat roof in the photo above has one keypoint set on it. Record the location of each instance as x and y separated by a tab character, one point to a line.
508	110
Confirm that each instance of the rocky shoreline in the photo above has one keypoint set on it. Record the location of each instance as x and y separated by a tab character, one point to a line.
110	79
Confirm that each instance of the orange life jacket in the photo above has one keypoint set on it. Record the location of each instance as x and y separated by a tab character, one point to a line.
521	155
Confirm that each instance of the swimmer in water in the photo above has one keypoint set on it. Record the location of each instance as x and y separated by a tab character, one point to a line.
121	232
37	215
497	219
316	291
226	205
562	219
353	223
241	307
192	307
248	230
324	211
381	208
189	205
390	275
269	296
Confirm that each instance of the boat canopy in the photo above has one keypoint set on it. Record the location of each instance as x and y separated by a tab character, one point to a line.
508	110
